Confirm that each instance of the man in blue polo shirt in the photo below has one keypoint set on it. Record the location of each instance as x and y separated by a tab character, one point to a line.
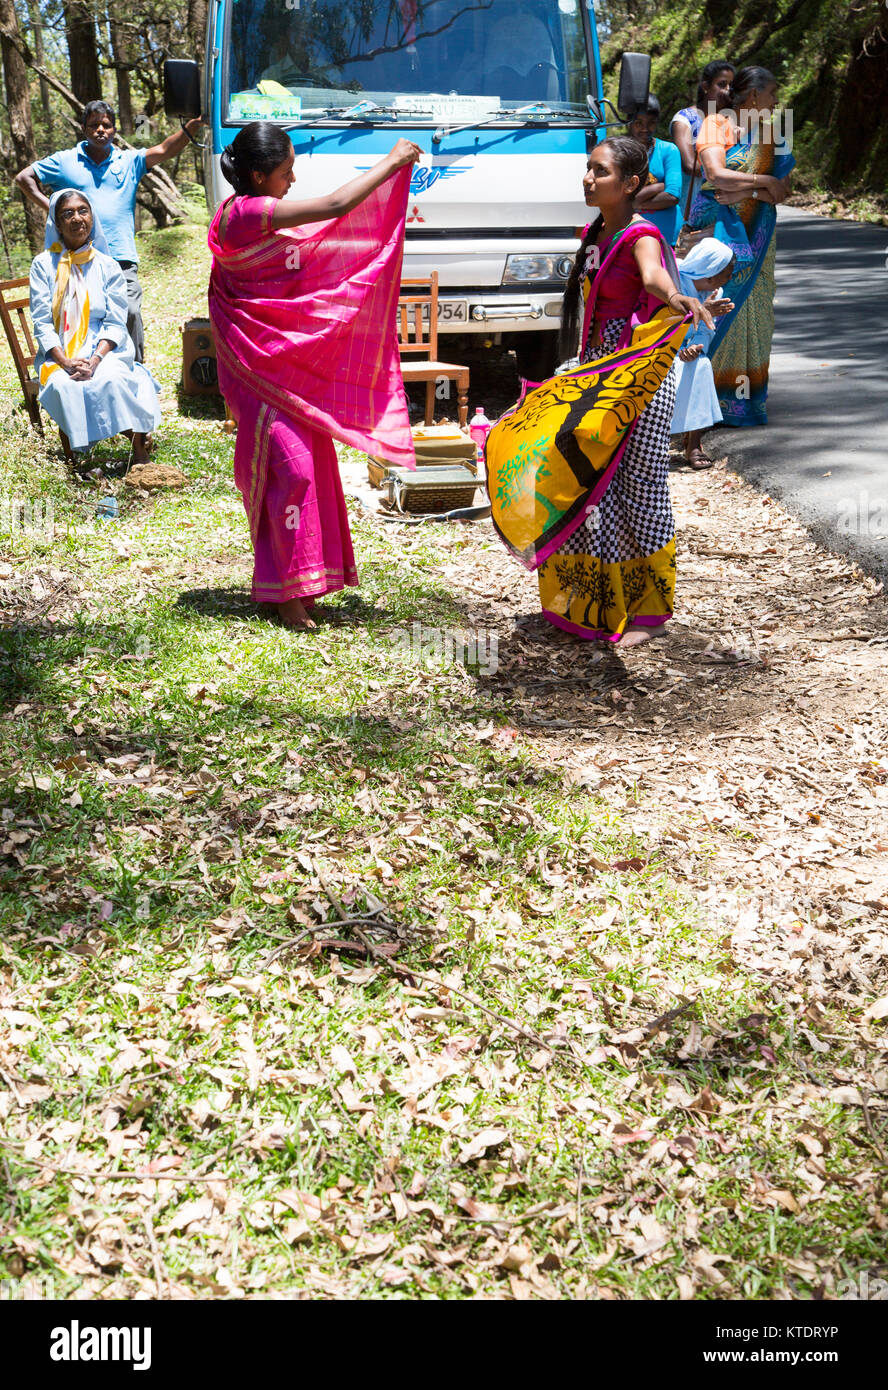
110	177
660	200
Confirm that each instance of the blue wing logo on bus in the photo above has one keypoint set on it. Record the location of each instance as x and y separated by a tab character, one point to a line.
421	180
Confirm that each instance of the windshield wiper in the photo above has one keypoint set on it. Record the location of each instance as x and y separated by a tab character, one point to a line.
366	111
535	111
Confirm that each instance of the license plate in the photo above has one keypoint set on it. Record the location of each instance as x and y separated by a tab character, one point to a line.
450	311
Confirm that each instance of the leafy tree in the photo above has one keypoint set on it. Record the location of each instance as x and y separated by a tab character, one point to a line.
830	58
83	49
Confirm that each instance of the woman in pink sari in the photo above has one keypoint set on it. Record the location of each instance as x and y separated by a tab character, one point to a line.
302	300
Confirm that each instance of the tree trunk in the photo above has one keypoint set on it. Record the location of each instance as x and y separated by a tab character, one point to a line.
18	100
83	54
861	107
36	22
197	28
120	53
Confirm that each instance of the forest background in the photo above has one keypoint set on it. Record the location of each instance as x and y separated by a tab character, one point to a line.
831	58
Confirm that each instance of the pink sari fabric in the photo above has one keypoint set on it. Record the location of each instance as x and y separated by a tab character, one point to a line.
306	343
615	290
288	476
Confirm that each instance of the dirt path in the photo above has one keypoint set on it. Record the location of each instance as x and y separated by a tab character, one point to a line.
745	746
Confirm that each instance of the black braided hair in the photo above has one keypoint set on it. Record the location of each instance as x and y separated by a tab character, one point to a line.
257	148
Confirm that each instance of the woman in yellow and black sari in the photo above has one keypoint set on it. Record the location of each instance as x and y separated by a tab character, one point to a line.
578	472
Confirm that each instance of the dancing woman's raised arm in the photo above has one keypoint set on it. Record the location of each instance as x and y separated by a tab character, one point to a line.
288	213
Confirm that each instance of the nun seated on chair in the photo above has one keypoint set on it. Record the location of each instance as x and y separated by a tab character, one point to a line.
90	382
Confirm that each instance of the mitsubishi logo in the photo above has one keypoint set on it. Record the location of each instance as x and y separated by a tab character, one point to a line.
415	215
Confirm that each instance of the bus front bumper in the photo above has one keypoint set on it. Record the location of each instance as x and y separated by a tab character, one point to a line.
486	313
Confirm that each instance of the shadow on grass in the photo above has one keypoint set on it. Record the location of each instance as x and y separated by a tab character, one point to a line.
219	602
347	608
235	826
199	407
351	609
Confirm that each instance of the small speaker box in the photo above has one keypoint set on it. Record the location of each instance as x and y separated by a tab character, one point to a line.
199	374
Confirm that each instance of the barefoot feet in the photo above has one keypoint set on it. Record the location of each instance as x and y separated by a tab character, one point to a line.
633	637
293	614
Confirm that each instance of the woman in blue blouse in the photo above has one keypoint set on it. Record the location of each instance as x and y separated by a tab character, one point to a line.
90	382
658	200
713	90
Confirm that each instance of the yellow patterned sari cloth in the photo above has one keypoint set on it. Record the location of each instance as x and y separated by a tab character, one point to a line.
569	489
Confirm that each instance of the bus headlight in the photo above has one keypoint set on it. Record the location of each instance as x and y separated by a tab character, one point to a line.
524	267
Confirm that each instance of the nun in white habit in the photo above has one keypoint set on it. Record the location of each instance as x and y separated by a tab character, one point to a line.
90	382
703	273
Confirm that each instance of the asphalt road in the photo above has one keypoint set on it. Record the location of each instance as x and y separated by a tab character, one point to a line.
824	450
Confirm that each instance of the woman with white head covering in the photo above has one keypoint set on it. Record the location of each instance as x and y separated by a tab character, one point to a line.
703	272
90	382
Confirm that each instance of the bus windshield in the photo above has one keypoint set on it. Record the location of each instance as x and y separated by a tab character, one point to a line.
428	59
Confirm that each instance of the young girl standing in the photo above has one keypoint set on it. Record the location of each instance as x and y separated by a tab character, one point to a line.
713	93
706	269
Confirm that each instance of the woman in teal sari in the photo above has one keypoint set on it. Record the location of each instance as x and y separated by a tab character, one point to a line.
747	168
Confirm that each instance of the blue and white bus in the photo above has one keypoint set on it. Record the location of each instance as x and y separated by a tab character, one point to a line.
502	95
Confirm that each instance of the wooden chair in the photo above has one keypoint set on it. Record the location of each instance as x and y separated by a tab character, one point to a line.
418	339
14	301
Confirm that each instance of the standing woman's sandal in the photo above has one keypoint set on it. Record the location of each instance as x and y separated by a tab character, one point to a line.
698	460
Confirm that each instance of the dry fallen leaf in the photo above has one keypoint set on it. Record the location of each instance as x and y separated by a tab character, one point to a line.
622	1134
516	1257
705	1103
487	1139
341	1061
201	1209
705	1262
781	1197
306	1205
366	1247
294	1231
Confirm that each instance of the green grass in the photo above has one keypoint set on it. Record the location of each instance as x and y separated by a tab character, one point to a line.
188	786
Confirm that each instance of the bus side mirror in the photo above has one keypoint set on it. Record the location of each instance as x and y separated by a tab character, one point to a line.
181	88
635	82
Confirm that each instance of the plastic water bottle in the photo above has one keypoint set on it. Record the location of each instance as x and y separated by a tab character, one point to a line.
479	429
107	508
